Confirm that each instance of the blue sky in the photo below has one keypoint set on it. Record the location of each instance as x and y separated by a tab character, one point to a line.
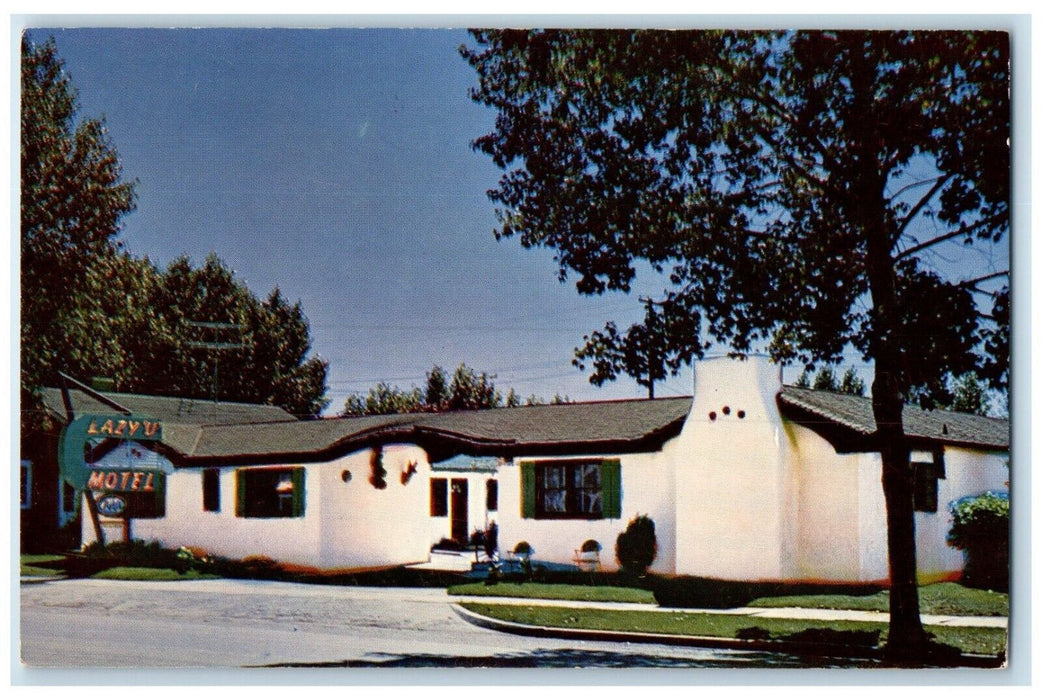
336	165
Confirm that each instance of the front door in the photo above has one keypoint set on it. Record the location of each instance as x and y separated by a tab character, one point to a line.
458	512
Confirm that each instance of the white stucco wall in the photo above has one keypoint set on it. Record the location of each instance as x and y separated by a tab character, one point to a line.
345	526
731	485
289	540
647	488
822	540
365	527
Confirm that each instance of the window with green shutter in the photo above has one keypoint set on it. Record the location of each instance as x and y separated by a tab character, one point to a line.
571	489
270	493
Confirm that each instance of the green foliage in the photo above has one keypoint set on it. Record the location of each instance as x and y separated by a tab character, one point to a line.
142	573
467	390
665	147
980	527
636	547
851	383
437	393
825	380
969	395
73	201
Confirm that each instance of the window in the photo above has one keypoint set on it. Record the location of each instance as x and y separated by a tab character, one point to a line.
491	495
439	498
270	493
211	490
926	474
27	484
142	504
581	490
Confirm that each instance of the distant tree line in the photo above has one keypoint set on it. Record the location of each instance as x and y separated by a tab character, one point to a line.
966	393
467	390
90	309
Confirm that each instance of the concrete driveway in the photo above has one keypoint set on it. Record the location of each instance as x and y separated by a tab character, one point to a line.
91	624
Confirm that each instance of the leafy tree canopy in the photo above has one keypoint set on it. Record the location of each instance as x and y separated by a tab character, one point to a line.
468	390
789	188
73	200
752	169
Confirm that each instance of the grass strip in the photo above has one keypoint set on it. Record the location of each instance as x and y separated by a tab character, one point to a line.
975	640
141	573
556	591
935	599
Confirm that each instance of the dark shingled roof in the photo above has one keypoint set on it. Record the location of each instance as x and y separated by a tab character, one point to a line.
601	426
169	409
253	434
853	414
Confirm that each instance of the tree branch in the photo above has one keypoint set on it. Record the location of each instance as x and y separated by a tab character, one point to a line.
919	205
961	231
975	281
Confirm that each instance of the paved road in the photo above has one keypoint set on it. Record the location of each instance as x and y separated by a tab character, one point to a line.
221	623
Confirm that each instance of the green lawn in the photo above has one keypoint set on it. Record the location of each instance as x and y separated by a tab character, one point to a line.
141	573
936	599
556	591
976	640
41	565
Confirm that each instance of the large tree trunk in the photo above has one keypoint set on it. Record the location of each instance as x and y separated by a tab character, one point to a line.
907	639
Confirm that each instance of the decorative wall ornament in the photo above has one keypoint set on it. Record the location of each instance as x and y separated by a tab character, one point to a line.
378	475
410	470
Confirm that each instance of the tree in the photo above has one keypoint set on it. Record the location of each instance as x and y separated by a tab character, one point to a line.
787	187
851	383
384	399
73	201
437	394
969	395
258	351
468	390
825	380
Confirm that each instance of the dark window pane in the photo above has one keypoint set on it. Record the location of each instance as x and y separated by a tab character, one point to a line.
439	498
211	490
491	495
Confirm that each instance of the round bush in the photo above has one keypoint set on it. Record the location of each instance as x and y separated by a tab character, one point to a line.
636	547
980	528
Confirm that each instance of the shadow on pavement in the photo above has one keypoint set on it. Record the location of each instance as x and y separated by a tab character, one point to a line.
573	658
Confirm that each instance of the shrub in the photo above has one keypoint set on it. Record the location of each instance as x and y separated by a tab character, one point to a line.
636	547
980	528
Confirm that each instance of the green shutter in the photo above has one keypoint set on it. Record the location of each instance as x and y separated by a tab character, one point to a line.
527	489
160	495
611	489
240	493
298	492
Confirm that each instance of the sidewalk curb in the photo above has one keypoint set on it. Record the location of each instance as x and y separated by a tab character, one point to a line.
872	656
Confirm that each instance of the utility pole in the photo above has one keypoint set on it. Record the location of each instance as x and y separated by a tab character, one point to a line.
212	332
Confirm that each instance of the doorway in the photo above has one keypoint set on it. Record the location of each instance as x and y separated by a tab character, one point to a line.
458	511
